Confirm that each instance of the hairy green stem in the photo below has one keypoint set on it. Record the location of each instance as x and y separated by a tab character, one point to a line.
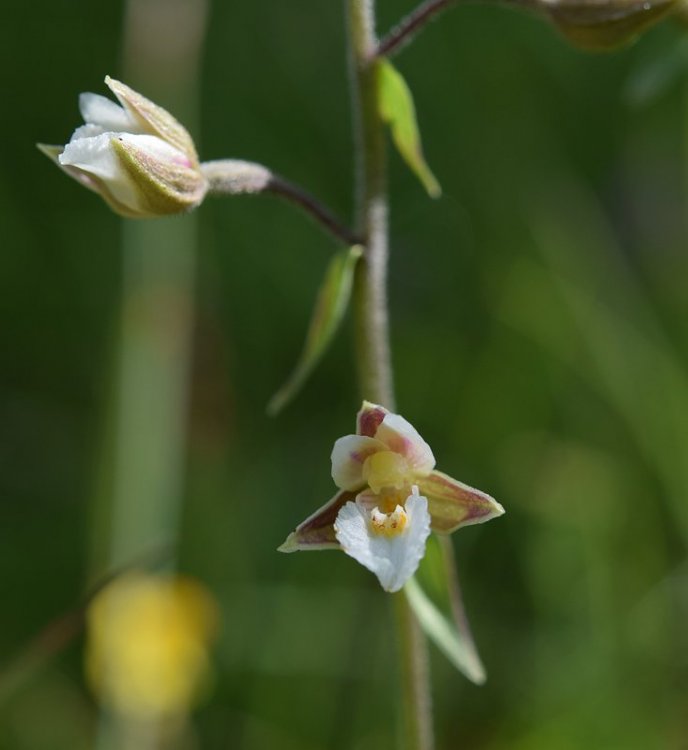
370	284
415	678
372	331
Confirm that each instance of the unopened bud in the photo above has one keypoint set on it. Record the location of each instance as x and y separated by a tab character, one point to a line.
136	156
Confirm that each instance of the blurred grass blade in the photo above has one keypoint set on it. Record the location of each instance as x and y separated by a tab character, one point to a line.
398	111
614	340
330	306
435	598
655	76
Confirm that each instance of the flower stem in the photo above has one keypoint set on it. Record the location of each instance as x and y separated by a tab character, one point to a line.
415	678
237	177
408	27
405	31
372	331
320	213
370	283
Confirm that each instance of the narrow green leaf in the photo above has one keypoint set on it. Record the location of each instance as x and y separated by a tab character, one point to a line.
398	111
330	306
435	598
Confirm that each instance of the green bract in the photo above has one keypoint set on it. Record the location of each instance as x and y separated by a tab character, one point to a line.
330	307
399	112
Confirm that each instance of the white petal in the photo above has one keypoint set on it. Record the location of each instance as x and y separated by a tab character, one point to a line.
402	437
86	131
96	157
348	456
101	111
393	559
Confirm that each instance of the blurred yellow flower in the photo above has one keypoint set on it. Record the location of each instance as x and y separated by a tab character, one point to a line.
147	651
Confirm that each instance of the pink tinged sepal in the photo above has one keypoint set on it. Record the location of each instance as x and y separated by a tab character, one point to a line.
453	504
317	531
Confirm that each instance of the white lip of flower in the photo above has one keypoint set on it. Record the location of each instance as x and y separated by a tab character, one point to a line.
391	545
137	157
391	542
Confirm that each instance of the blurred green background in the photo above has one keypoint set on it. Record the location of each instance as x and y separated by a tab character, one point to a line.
540	341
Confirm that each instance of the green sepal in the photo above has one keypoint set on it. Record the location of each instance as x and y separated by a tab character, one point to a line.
330	307
52	152
164	187
435	598
153	118
399	112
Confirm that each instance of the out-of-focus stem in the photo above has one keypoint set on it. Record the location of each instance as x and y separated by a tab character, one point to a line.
155	349
372	332
162	40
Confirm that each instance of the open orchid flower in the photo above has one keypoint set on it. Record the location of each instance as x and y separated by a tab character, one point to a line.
136	156
390	498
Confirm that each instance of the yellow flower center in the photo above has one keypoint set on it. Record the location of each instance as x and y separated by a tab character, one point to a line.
385	469
388	524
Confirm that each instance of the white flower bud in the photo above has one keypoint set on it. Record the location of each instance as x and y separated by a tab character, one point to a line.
136	156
